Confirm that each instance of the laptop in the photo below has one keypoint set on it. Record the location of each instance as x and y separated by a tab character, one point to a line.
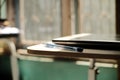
90	41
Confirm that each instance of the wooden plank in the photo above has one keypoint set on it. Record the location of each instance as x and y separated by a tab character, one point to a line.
66	17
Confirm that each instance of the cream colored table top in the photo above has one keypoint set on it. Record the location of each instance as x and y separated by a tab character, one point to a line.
41	49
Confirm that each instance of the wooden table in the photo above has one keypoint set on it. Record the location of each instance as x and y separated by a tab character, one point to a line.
42	50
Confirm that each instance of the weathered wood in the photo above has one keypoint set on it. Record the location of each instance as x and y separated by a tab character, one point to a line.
66	17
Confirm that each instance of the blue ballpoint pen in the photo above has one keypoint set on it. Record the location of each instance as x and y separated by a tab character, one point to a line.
52	45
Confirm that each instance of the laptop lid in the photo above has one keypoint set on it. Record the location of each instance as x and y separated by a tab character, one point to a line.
91	41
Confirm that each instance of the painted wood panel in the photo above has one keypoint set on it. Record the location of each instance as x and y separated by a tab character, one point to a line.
97	16
40	19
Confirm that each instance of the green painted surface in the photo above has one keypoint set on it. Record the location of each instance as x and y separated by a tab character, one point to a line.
34	70
60	70
107	74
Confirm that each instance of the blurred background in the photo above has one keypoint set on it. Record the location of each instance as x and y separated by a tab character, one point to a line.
43	20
